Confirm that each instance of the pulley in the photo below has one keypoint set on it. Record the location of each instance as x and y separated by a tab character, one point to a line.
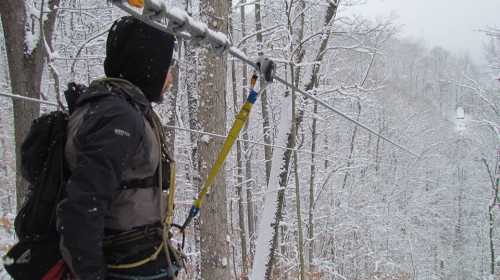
267	68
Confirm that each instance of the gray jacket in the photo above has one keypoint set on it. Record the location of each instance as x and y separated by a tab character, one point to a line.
111	142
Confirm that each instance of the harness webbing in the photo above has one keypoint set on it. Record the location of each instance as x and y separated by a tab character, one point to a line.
165	245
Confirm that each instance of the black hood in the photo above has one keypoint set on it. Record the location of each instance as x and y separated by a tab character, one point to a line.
139	54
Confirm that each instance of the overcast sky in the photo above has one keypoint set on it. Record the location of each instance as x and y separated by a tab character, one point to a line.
451	24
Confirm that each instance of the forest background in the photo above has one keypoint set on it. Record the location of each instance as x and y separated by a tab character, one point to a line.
350	206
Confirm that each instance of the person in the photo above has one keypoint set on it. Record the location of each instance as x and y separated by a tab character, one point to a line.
111	220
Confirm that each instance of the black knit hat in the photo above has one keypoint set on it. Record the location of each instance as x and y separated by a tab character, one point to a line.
140	54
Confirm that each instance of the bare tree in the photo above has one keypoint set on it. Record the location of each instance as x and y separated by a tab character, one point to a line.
26	54
239	165
212	117
266	124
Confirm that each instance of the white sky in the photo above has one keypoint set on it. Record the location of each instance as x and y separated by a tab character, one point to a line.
451	24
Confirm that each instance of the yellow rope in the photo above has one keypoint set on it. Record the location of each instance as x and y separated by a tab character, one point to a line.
153	257
238	124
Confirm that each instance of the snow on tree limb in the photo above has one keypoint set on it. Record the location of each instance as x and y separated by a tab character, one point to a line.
268	218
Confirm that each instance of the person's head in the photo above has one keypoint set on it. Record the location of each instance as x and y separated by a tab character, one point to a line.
140	54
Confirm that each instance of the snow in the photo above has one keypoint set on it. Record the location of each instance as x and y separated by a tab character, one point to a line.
30	42
32	32
265	229
153	5
205	139
387	198
218	40
178	16
197	29
238	52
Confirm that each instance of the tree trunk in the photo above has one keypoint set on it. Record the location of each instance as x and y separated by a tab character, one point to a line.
269	222
283	179
246	146
26	65
351	148
491	239
212	117
172	98
266	124
299	218
239	173
295	76
310	231
191	90
331	13
495	185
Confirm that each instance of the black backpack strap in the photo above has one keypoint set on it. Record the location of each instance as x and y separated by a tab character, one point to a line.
72	93
149	182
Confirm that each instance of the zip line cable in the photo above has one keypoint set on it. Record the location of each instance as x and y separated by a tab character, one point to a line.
248	141
20	97
181	24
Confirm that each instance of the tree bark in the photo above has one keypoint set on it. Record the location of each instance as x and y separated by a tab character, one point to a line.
25	71
246	146
212	117
239	173
191	64
495	185
331	14
350	160
299	218
172	98
310	231
266	124
279	211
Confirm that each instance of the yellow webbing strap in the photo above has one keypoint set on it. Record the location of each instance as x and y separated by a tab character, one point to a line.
169	219
238	124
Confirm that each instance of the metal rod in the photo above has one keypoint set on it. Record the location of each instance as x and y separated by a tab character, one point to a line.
20	97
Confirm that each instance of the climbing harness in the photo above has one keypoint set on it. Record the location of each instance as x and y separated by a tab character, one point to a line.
172	254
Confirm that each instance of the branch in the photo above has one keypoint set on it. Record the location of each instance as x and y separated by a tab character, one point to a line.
84	44
492	179
244	39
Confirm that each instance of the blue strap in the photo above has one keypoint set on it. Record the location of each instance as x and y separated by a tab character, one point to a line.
252	97
129	277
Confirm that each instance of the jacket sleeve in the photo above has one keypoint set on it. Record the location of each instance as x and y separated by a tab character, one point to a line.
110	132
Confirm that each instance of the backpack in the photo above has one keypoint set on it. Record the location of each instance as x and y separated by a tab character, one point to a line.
37	254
